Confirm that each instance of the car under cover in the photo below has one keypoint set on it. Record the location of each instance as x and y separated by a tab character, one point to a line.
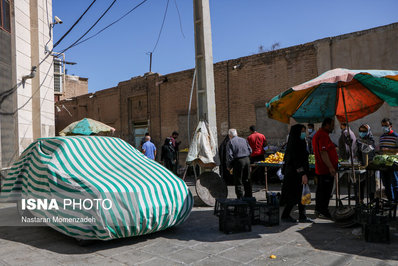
96	188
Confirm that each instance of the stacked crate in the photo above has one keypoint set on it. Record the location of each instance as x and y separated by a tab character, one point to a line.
239	215
375	218
234	215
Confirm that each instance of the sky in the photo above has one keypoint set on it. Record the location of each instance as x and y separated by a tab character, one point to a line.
239	27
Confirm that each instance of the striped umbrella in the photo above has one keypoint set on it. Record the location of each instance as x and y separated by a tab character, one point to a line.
135	195
86	126
346	94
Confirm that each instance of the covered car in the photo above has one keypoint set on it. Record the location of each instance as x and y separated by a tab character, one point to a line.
95	188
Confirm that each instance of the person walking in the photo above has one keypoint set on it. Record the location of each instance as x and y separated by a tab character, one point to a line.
295	170
148	148
168	156
238	152
389	145
326	161
257	142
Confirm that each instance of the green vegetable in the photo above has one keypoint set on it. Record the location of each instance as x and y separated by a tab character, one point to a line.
311	159
387	160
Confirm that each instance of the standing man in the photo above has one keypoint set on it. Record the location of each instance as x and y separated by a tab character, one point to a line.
174	141
311	134
148	148
326	160
389	145
238	152
143	139
257	142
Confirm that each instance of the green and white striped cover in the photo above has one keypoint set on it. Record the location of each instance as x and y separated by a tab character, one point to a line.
145	196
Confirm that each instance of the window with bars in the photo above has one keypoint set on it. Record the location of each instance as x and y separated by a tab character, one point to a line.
5	20
58	75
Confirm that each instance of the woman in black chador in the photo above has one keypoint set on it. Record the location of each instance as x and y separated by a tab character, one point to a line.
168	155
295	170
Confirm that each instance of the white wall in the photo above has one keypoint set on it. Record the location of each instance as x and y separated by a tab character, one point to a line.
23	66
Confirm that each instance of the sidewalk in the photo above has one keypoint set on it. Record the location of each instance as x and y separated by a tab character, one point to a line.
199	242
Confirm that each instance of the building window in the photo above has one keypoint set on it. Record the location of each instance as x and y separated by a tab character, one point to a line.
5	21
58	74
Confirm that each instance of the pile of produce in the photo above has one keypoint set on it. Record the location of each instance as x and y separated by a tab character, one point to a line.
306	199
311	159
274	158
387	160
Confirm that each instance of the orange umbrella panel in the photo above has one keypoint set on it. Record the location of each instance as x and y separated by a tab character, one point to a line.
283	106
359	101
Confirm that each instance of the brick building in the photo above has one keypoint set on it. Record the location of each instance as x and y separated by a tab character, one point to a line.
159	103
74	86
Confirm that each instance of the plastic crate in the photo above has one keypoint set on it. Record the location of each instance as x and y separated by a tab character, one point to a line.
265	214
251	201
390	209
222	203
273	216
378	212
234	216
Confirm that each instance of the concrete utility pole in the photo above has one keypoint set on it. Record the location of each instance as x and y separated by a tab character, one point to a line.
206	103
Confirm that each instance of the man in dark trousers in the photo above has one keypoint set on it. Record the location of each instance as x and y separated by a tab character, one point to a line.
326	160
389	145
238	152
257	142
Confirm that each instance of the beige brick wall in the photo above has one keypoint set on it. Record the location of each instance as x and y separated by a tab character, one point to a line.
74	86
241	92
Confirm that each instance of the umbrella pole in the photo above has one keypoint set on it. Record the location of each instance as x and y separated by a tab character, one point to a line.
350	146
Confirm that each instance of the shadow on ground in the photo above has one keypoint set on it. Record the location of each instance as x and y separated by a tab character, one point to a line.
201	226
330	237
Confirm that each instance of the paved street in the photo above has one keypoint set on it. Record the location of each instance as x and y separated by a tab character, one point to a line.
199	242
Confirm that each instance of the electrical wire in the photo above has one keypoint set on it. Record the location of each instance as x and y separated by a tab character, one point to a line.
30	98
5	94
161	27
77	21
179	18
98	20
111	24
67	32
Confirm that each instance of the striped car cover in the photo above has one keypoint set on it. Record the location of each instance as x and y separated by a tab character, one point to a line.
141	195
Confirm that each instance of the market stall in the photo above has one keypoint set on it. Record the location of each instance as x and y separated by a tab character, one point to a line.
345	94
